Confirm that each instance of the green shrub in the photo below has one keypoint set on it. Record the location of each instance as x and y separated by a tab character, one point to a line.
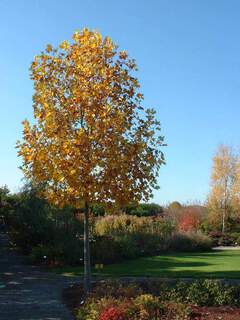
30	223
199	292
72	250
47	254
147	244
204	293
105	249
40	230
129	248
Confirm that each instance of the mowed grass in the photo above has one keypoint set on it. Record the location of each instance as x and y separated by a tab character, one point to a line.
214	264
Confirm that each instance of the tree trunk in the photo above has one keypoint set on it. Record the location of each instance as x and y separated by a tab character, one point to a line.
225	207
223	221
87	263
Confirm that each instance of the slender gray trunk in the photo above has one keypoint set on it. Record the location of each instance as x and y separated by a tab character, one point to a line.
223	220
225	206
87	263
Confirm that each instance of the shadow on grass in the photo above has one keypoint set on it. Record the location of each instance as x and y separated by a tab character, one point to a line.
224	264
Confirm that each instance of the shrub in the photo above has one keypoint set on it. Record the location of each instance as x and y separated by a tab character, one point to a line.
114	300
96	308
204	293
30	223
47	254
225	239
113	313
116	289
117	225
131	237
149	306
105	249
190	242
123	224
69	252
143	307
237	242
189	220
72	250
235	237
129	247
127	237
40	229
177	311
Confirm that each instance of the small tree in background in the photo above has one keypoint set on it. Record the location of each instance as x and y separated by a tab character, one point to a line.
4	205
175	206
190	219
144	209
236	188
223	185
173	211
92	141
4	193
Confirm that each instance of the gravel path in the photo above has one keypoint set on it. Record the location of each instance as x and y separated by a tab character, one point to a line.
27	292
226	248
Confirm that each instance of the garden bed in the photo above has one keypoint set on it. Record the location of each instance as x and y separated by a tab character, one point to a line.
216	313
200	300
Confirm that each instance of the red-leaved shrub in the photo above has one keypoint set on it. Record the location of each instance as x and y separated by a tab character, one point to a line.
113	313
189	220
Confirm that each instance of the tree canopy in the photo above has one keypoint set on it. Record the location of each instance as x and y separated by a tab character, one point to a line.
92	139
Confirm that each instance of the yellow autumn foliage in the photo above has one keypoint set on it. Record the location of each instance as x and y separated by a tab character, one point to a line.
92	139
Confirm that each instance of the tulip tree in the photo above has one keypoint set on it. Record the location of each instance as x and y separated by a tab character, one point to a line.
92	141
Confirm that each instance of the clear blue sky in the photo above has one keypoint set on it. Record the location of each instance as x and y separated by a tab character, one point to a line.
188	53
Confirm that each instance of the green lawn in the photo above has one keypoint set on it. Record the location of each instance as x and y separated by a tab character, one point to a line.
215	264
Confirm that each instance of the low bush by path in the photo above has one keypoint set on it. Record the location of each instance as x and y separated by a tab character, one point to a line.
214	264
123	300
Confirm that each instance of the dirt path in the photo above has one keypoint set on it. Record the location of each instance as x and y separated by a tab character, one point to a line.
27	292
